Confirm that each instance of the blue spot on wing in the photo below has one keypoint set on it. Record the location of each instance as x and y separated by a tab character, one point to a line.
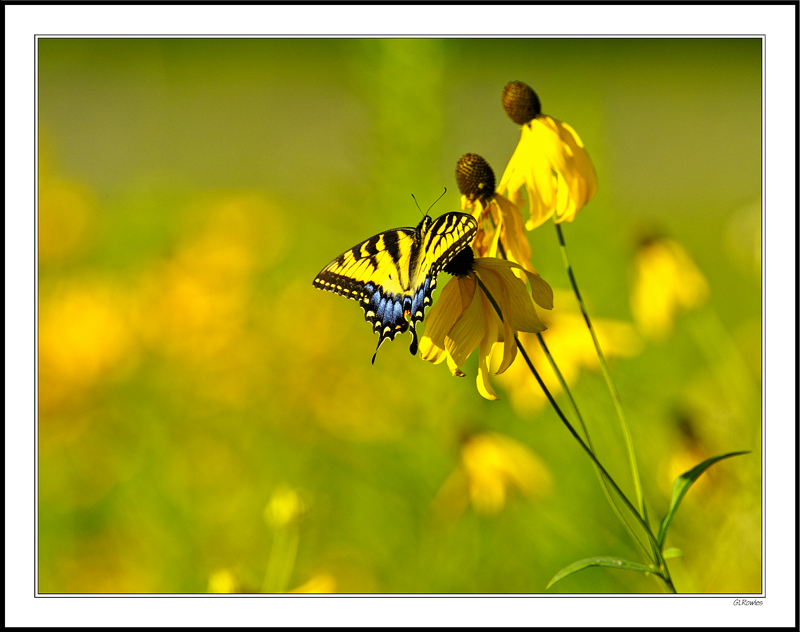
381	308
398	312
416	303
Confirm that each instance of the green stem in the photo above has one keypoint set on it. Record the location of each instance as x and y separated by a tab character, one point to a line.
563	383
662	570
281	559
620	516
637	484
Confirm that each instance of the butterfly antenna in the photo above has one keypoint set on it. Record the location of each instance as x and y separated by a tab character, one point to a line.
437	199
415	202
431	206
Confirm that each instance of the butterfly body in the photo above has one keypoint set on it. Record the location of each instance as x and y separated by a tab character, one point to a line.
393	274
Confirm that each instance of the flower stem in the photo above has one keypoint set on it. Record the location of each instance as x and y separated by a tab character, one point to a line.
565	388
620	516
281	559
662	571
637	484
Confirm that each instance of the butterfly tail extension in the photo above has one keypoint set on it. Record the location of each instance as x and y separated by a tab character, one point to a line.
414	341
380	342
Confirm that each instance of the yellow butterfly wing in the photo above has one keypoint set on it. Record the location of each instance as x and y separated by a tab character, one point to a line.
393	273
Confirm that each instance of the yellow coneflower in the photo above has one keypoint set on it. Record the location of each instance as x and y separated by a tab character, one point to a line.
550	161
464	318
500	228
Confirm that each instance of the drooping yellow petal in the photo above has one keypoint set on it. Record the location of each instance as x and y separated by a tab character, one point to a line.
579	176
467	332
457	372
531	168
511	295
484	353
541	291
430	352
509	347
443	314
510	227
542	156
552	164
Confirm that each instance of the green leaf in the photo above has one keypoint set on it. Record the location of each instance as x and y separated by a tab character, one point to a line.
611	562
673	552
682	485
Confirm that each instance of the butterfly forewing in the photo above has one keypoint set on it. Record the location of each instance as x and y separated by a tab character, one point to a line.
448	235
393	273
372	259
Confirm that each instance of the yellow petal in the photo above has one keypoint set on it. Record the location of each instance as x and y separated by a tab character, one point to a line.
430	352
511	295
454	367
581	178
541	291
515	241
467	332
530	166
484	385
444	313
494	284
509	348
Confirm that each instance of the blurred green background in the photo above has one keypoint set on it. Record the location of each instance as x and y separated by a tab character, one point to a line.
190	376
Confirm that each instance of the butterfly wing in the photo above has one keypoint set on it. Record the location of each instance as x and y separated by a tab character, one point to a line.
445	237
393	273
375	273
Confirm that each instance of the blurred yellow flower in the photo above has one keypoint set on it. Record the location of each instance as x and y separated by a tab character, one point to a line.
222	582
571	346
285	507
319	583
500	228
490	467
463	318
550	162
85	336
665	280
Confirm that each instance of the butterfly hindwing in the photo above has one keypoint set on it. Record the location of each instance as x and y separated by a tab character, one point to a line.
393	273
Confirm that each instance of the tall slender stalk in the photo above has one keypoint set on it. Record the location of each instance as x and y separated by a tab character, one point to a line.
620	516
281	559
568	393
637	484
662	571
